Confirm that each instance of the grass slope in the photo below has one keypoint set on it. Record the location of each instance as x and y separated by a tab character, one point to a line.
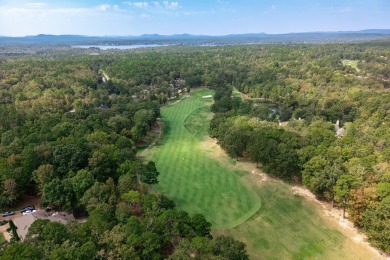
289	227
2	239
202	178
286	227
198	183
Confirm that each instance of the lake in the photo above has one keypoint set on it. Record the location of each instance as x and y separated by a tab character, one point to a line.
121	47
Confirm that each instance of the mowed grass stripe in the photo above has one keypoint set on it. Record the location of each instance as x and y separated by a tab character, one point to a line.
289	227
285	227
198	183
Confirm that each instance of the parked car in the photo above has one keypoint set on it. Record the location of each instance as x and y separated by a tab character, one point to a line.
32	207
28	212
8	213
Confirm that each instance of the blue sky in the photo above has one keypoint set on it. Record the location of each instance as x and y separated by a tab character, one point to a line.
209	17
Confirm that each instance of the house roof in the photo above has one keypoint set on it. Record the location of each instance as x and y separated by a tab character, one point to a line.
24	222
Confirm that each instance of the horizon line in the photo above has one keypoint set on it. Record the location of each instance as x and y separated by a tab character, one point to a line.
209	35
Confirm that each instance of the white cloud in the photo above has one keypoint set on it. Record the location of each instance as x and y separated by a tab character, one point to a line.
147	9
154	5
40	17
103	7
171	5
35	5
143	5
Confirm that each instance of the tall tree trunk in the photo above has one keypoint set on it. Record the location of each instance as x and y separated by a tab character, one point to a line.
139	181
332	199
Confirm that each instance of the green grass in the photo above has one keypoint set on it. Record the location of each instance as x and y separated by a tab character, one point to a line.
195	122
236	93
2	239
266	216
352	63
286	227
198	183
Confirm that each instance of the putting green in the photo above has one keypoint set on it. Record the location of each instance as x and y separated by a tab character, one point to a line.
198	183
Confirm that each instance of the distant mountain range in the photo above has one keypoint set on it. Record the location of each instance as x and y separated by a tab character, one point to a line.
188	39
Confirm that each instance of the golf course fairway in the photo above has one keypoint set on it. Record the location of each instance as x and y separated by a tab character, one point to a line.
198	183
265	214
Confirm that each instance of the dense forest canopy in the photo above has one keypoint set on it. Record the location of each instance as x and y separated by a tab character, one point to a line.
70	124
70	136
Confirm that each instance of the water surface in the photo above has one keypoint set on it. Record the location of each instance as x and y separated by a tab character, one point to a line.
120	47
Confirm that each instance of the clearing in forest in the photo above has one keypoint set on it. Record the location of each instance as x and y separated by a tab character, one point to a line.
236	197
351	63
198	183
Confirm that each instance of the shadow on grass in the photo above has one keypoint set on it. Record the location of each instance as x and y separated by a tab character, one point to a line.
197	123
167	130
